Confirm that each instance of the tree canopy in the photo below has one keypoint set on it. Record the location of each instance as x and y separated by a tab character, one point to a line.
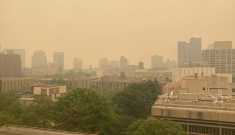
84	110
155	127
58	81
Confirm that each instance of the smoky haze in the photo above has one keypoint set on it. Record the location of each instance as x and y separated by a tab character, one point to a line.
91	29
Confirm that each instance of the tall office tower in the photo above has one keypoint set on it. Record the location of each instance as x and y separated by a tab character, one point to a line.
123	62
10	65
77	63
21	52
189	52
221	57
156	61
103	62
181	53
39	59
210	46
196	50
114	64
58	60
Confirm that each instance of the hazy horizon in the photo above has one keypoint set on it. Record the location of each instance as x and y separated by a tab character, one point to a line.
90	30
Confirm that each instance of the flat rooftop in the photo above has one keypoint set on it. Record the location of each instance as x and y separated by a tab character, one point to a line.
22	130
49	85
194	110
14	78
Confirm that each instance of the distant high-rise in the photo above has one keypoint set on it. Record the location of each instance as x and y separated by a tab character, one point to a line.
156	61
189	52
103	62
21	52
196	50
39	58
220	57
58	60
10	65
123	62
77	63
114	64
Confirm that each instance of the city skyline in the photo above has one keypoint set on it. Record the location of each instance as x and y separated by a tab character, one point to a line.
93	30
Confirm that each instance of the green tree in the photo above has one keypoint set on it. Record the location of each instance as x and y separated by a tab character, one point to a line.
108	93
84	110
119	127
123	75
155	127
58	81
132	103
40	107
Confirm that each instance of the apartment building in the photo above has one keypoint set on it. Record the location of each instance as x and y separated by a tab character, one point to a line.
221	57
10	65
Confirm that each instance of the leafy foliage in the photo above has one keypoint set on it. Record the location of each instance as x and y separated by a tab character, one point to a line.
58	81
84	110
155	127
108	93
123	75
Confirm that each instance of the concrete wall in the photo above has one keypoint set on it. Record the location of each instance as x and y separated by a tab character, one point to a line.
190	113
178	73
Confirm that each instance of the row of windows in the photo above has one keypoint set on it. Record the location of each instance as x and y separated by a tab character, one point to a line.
208	130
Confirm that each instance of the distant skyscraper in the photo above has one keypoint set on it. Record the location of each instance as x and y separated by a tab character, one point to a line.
77	63
221	57
181	53
196	50
39	58
103	62
189	52
21	52
123	62
156	61
58	60
114	64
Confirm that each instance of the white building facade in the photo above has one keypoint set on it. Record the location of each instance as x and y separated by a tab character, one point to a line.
178	73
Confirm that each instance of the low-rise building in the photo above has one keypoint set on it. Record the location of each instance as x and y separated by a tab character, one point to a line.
194	84
178	73
197	117
15	83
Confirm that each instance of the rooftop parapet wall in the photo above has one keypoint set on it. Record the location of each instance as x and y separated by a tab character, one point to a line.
194	113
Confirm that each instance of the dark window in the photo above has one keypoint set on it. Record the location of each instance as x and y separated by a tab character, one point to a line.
233	90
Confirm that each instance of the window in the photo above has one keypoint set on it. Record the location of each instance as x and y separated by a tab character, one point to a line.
233	89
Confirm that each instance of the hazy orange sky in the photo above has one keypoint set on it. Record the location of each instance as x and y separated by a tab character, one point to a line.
93	29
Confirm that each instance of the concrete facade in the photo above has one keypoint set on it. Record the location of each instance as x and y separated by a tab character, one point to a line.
49	90
202	85
10	65
222	57
77	63
189	52
21	52
58	60
197	117
39	59
7	84
178	73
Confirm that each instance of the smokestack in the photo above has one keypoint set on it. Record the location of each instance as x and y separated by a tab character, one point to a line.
196	75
